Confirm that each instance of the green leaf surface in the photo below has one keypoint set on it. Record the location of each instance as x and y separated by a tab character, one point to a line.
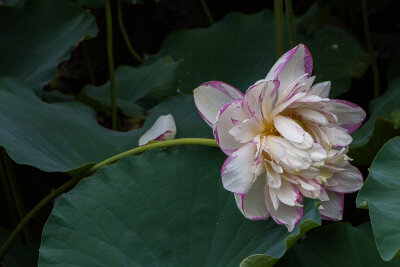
161	208
38	36
66	136
380	107
140	88
381	191
338	244
19	254
384	130
240	50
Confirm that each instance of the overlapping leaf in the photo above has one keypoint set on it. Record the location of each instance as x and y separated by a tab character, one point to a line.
35	38
338	244
381	192
166	208
138	89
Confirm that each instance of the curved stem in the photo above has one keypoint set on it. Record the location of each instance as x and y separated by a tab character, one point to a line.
290	22
124	34
207	11
371	51
278	11
111	64
70	183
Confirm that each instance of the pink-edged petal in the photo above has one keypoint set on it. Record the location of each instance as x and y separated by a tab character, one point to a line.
258	99
338	137
350	116
332	209
238	170
288	193
285	214
210	97
292	131
290	66
312	116
252	205
246	131
320	89
274	180
229	116
347	181
163	129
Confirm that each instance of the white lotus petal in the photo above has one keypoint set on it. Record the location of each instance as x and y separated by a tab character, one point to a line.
163	129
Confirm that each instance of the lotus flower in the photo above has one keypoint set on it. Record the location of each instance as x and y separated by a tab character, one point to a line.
163	129
285	140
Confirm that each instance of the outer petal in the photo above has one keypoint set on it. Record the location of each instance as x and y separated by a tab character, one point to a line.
290	66
350	115
287	215
238	171
338	137
163	129
252	205
259	98
320	89
210	97
229	116
347	181
333	208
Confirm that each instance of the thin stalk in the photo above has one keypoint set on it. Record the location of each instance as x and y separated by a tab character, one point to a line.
70	183
371	51
207	11
88	64
125	35
290	22
111	64
15	192
278	11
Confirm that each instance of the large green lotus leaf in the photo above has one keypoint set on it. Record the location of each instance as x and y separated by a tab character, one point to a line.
54	137
161	208
338	244
139	88
240	49
66	136
19	254
38	36
380	107
381	191
384	130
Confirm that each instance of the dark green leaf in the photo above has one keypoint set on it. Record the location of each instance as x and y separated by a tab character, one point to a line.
338	244
384	130
240	50
164	208
139	88
19	254
37	37
381	192
380	107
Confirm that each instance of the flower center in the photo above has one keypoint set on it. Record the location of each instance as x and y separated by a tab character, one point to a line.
269	129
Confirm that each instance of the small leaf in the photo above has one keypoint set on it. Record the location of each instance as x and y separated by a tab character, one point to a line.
384	130
140	88
381	191
380	107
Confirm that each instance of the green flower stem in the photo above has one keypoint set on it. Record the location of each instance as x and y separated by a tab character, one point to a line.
70	183
125	35
207	11
278	11
290	22
371	51
111	64
15	192
88	64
